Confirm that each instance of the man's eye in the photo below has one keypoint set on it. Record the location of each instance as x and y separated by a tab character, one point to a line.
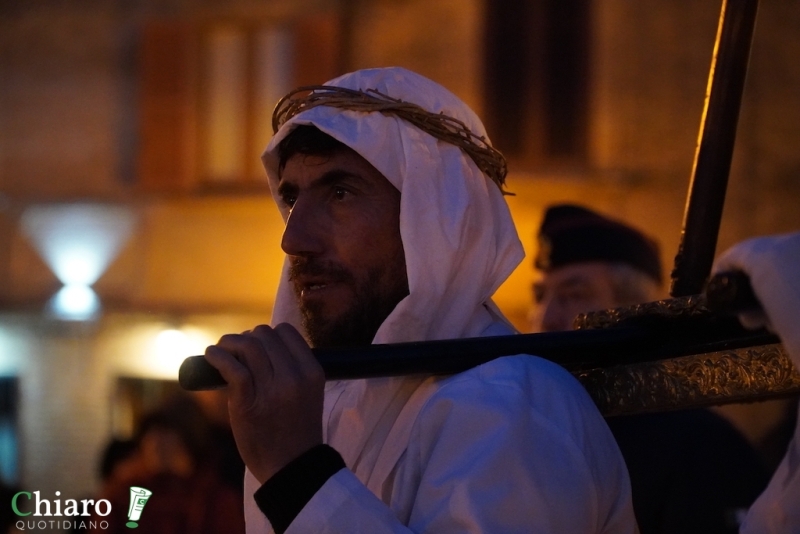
289	200
340	192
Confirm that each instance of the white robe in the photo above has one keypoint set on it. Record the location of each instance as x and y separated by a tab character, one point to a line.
773	265
515	445
777	509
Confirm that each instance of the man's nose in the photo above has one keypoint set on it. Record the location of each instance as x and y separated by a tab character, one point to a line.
304	231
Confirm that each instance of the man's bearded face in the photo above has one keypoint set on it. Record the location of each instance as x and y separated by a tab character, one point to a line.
347	264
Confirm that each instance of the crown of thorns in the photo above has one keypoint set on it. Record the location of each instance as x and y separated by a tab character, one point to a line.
443	127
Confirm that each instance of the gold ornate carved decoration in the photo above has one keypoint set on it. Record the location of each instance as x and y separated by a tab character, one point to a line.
747	374
742	372
690	307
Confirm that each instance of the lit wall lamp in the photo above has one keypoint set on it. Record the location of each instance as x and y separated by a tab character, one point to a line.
78	242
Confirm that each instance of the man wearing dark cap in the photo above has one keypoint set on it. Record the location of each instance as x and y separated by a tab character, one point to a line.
691	471
590	262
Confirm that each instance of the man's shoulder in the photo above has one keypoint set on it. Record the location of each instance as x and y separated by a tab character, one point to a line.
529	372
516	398
529	381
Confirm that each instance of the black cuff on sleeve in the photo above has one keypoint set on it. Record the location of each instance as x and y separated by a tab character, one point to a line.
283	496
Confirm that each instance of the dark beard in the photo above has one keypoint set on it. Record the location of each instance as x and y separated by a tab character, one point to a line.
358	325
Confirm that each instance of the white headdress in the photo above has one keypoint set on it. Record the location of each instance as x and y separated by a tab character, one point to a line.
459	239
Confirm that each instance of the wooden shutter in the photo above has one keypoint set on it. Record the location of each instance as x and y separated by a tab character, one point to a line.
537	80
166	104
318	49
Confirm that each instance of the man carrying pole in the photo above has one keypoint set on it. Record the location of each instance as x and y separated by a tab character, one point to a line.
408	244
397	230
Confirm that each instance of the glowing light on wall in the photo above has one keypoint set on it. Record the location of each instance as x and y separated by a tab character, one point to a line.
75	302
78	242
169	348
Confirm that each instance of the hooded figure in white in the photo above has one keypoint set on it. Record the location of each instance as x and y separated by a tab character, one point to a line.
773	266
515	445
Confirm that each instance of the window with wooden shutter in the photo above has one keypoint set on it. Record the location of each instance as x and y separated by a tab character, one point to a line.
208	91
536	82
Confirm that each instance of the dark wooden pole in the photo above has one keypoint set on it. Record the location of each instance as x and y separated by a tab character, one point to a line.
712	161
642	339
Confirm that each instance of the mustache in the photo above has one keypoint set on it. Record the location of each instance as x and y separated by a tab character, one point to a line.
300	266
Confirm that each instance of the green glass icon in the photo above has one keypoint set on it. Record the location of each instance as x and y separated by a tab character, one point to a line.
139	498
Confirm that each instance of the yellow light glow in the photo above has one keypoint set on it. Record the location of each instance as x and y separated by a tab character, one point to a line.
170	347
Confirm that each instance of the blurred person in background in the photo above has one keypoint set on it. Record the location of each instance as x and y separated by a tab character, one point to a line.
222	445
691	471
589	262
176	461
119	461
119	464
